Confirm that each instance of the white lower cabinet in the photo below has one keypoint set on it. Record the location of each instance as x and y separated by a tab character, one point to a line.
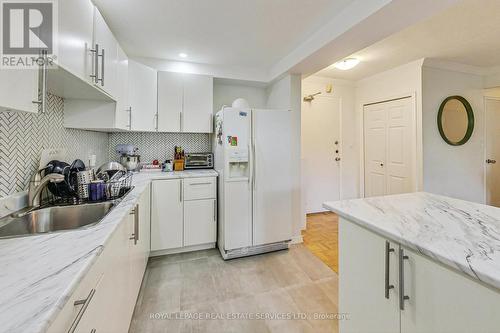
166	214
435	298
104	300
183	215
199	222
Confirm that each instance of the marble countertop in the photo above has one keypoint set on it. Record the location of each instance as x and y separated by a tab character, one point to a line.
460	234
39	273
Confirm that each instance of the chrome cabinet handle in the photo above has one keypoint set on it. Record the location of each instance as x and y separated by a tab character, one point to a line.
388	251
194	184
135	235
102	68
85	303
490	161
215	210
95	73
402	296
129	110
42	83
156	121
181	121
180	190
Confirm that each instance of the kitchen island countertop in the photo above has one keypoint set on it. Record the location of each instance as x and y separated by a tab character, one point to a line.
459	234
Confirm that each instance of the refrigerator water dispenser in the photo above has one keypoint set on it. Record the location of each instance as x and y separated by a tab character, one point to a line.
238	164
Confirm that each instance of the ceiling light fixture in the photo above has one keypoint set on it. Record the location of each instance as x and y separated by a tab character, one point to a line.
183	55
346	64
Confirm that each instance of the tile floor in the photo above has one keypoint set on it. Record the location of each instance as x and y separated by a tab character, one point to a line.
178	288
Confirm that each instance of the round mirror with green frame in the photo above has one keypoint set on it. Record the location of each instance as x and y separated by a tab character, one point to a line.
455	120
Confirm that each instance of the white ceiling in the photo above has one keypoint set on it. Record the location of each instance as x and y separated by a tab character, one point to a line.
467	33
250	33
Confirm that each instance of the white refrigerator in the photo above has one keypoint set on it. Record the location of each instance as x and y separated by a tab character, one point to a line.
253	157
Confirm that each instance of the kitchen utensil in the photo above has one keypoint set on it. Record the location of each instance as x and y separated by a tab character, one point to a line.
84	178
110	169
63	189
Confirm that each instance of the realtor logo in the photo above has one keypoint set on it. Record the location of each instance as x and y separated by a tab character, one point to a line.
28	28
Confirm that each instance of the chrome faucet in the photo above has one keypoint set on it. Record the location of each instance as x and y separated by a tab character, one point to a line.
37	185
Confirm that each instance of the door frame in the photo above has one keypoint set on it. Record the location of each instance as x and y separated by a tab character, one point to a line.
485	138
341	143
416	158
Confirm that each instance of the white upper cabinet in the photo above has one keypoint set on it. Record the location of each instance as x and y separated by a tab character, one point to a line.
142	94
18	90
198	104
185	103
105	50
76	27
170	95
123	111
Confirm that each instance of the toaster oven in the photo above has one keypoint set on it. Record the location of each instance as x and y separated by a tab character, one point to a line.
199	161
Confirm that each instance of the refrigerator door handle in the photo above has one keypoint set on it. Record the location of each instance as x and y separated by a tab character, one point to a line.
250	160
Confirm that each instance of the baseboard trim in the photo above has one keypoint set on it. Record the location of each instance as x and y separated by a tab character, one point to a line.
182	249
297	239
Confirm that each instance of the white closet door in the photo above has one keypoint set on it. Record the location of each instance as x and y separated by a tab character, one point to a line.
375	133
389	166
272	197
399	146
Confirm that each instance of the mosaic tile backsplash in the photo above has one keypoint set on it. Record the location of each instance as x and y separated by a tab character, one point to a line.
23	136
159	146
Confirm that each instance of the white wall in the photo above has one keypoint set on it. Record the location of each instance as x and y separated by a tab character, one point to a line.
225	93
344	90
286	94
455	171
398	82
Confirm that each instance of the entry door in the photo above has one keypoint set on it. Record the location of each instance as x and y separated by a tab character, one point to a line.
388	147
492	152
320	147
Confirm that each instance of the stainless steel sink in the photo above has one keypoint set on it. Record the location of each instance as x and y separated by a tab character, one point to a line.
55	218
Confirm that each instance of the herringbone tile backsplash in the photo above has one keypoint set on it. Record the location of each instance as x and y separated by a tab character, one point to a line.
159	146
23	136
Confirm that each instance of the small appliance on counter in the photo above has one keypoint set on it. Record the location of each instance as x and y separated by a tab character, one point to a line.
198	161
129	157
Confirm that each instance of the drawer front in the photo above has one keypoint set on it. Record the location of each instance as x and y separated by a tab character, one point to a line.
199	188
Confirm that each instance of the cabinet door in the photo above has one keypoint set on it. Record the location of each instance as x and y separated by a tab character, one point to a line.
106	71
166	214
198	104
18	90
145	226
199	222
123	112
441	300
76	27
362	281
142	96
170	100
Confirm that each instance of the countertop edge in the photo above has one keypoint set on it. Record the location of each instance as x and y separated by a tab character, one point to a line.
485	280
145	179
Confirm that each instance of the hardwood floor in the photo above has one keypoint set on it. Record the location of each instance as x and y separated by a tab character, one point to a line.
321	238
177	288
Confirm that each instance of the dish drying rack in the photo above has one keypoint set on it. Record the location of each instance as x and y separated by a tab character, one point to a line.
113	189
